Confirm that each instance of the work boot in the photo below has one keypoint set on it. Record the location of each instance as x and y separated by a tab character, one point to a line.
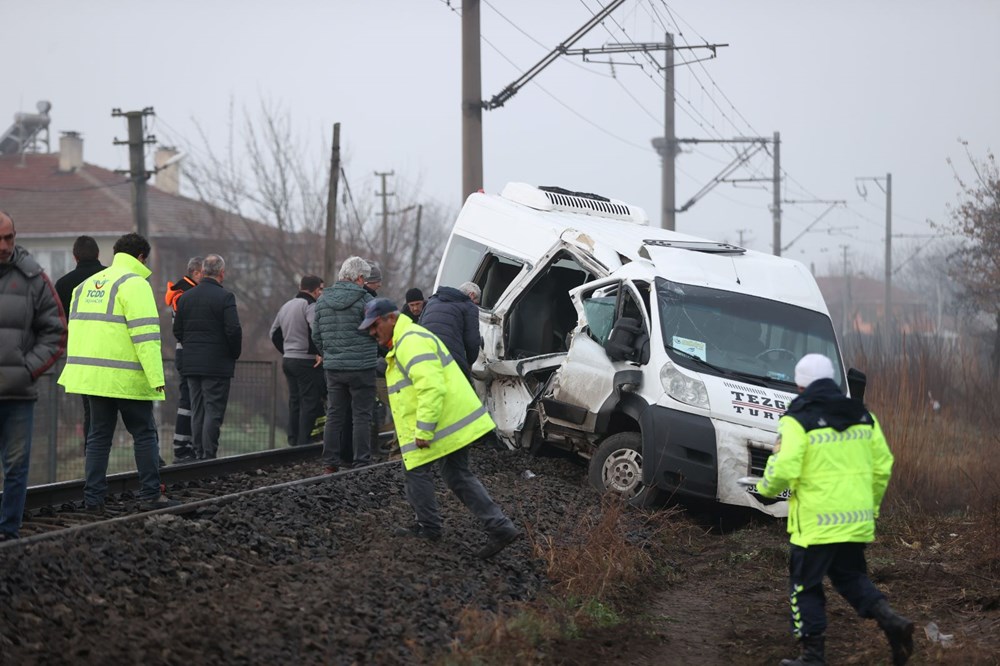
417	531
497	542
812	652
897	629
161	502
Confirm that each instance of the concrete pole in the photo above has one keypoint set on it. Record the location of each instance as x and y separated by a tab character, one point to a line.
472	110
776	203
385	194
888	255
330	253
137	169
668	216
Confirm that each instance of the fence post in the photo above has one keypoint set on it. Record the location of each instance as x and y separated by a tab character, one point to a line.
53	429
274	403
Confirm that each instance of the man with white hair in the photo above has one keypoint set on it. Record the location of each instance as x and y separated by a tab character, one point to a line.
349	359
832	455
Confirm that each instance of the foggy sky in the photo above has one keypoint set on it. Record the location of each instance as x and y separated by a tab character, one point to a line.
856	88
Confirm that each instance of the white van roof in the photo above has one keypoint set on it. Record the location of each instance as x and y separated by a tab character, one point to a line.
525	222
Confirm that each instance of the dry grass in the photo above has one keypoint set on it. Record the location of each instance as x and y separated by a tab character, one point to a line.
600	564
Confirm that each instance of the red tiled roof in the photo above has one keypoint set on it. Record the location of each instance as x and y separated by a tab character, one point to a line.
46	202
863	290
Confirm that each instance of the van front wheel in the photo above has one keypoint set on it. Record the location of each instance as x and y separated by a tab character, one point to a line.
616	467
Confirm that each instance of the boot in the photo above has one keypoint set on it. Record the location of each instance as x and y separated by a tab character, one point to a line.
897	629
813	652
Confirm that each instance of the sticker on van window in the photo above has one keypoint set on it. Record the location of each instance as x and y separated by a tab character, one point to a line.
689	346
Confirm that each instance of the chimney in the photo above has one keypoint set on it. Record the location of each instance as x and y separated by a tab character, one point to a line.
70	152
168	178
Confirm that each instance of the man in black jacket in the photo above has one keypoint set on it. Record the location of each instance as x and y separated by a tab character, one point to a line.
452	315
208	326
86	253
32	338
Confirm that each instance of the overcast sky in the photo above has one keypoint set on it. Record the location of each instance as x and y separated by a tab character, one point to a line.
856	88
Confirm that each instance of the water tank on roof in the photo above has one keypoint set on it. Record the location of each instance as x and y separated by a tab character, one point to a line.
25	130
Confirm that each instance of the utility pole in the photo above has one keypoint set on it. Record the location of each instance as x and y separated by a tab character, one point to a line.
776	196
416	247
887	189
385	194
668	196
330	253
472	109
137	164
847	295
741	232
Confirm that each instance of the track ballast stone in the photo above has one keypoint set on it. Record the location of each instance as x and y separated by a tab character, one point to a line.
305	575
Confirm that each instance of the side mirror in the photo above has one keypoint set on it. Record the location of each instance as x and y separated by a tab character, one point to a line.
856	382
628	341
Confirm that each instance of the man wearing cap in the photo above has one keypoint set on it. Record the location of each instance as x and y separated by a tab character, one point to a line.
832	455
414	304
437	415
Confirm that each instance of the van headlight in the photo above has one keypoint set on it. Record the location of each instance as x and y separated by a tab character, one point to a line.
678	386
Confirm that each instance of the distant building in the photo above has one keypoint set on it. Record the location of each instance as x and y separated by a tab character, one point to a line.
857	306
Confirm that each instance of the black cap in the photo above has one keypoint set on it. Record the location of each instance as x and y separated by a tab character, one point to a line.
376	308
414	294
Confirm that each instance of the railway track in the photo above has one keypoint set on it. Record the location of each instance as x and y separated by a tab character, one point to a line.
57	509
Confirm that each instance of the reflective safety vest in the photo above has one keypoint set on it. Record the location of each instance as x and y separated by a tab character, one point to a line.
837	480
429	396
114	335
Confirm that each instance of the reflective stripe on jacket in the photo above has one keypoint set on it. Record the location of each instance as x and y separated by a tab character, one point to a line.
429	396
837	479
114	335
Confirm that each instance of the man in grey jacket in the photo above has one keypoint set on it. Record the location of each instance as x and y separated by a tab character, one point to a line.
32	338
291	334
349	357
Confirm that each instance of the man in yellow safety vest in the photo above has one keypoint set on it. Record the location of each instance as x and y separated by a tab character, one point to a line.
437	415
114	358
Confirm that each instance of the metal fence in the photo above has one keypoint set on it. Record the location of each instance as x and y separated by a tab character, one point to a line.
257	407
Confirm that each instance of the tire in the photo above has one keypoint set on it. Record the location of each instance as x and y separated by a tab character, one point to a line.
616	467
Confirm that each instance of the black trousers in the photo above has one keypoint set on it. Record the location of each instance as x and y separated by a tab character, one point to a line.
306	389
845	564
209	397
183	440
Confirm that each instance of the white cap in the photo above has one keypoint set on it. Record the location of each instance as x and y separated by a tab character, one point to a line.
812	367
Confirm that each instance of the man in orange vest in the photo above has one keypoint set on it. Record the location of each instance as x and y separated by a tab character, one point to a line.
183	442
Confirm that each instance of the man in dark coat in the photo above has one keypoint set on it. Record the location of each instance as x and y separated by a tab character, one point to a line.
86	253
452	315
208	326
414	304
32	337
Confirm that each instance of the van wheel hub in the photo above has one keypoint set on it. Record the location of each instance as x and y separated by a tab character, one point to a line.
623	472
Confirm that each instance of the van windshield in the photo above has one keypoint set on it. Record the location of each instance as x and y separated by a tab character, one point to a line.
741	334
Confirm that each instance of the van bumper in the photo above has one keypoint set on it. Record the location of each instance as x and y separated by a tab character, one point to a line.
679	452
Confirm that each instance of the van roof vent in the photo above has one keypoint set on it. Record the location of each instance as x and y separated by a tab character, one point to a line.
709	247
559	199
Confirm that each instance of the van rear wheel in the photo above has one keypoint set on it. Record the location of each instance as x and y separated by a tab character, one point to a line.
616	467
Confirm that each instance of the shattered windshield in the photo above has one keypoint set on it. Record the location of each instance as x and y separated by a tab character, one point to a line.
741	334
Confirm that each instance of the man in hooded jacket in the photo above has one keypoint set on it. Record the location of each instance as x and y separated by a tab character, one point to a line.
832	455
349	359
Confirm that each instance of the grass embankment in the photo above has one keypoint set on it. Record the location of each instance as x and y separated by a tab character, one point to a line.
946	474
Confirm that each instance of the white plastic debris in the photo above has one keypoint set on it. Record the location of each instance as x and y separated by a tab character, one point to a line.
527	474
934	635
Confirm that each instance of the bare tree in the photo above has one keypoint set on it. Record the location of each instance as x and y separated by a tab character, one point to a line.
976	266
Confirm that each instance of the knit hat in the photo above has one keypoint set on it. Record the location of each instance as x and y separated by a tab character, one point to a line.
414	294
375	274
811	368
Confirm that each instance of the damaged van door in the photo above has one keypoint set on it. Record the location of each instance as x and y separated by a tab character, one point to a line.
527	335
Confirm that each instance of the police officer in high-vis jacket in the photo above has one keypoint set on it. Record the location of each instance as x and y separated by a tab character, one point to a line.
437	415
831	454
114	358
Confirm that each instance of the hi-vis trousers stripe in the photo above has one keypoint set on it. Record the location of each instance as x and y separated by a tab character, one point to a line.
104	363
448	430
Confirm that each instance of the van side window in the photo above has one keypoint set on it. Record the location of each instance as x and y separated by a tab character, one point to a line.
460	263
542	317
494	276
599	308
